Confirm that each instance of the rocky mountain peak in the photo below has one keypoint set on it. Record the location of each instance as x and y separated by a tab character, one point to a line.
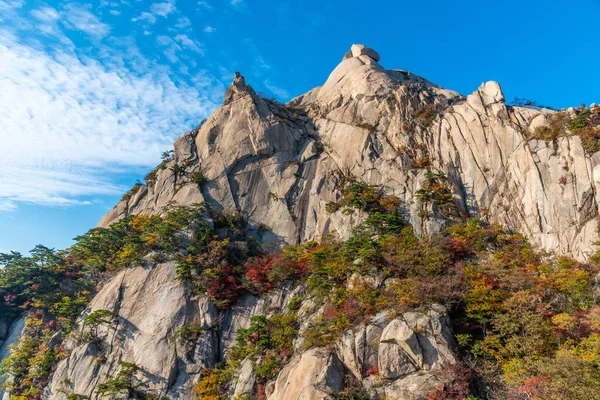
193	307
280	165
358	50
237	89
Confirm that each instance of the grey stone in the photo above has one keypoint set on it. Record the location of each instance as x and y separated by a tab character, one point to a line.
362	50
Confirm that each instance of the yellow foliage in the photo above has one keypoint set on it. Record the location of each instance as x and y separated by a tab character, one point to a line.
589	349
139	222
595	319
515	371
564	321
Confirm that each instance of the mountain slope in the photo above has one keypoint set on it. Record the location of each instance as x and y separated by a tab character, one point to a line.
279	165
399	283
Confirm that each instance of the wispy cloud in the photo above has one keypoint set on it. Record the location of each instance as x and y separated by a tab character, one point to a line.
183	22
6	5
204	4
163	10
170	48
240	6
209	29
70	122
79	17
145	16
189	43
46	14
7	205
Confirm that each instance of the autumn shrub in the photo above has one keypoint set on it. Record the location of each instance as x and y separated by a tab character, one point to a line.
267	342
457	383
558	125
426	115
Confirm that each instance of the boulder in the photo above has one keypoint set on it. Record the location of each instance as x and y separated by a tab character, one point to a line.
313	375
362	50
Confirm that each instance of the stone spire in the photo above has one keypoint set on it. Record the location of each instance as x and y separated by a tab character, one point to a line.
358	50
237	89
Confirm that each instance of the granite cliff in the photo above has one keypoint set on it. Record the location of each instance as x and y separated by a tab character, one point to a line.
282	168
280	164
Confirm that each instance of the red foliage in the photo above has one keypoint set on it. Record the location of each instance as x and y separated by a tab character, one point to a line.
302	268
261	393
50	325
264	273
534	387
459	246
329	312
372	371
353	309
9	298
225	289
458	382
285	352
257	272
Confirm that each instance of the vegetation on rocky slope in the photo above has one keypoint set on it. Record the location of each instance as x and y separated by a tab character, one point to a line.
528	324
585	124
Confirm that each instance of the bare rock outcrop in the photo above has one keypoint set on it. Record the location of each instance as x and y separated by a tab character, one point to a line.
10	333
389	358
149	304
279	165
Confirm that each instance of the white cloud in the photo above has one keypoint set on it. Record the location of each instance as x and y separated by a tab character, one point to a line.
145	16
189	43
205	5
183	22
46	14
163	9
171	48
157	10
68	123
79	17
6	5
240	6
209	29
7	205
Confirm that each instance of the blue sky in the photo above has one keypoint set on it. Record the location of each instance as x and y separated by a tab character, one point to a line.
92	92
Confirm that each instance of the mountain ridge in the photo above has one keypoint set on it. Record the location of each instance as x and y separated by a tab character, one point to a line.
384	128
345	245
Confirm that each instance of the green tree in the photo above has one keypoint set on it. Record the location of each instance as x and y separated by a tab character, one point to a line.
96	319
124	385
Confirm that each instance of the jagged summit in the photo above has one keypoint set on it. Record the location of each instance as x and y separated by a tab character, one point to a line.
237	88
280	165
188	306
358	50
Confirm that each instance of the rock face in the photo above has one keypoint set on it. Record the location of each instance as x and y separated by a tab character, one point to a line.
358	50
9	335
149	304
397	358
279	165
